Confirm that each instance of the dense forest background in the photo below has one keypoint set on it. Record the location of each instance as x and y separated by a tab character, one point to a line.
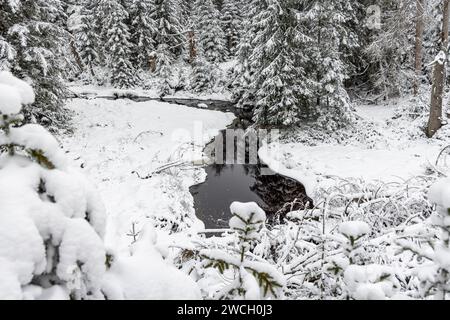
291	61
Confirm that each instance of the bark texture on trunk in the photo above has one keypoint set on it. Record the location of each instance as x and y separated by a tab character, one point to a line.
437	90
76	55
192	47
419	43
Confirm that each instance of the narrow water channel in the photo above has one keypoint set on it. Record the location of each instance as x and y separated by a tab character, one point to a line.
244	182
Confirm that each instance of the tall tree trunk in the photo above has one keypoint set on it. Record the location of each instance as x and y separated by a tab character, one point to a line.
76	55
192	46
437	90
419	42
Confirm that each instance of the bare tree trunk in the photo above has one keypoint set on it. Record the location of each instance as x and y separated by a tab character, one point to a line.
419	43
192	46
437	90
76	55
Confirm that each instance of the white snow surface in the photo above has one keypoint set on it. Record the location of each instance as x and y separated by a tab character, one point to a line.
144	275
94	91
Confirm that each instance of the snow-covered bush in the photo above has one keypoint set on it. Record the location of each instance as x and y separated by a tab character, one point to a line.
250	278
370	282
433	245
345	247
362	282
350	241
51	220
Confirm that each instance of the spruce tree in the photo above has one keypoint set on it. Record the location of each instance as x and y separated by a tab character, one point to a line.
202	75
327	70
243	72
187	20
251	279
31	43
231	22
389	50
277	61
142	30
86	38
164	69
116	47
169	30
209	32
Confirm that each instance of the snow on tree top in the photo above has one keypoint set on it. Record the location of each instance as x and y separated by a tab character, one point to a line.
25	91
35	137
354	229
250	212
10	101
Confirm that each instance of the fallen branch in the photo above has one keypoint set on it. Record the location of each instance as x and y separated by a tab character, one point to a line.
147	132
441	153
177	163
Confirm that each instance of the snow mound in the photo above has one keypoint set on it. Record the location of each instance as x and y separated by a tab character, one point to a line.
25	91
144	275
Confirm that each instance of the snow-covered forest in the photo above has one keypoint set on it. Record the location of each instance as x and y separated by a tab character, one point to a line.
224	149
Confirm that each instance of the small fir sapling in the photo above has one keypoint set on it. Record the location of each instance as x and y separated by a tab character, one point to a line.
164	60
252	279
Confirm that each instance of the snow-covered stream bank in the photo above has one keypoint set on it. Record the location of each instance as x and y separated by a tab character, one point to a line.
114	138
382	146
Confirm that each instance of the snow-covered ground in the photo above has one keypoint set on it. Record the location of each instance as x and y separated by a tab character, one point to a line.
152	81
114	138
93	91
383	147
